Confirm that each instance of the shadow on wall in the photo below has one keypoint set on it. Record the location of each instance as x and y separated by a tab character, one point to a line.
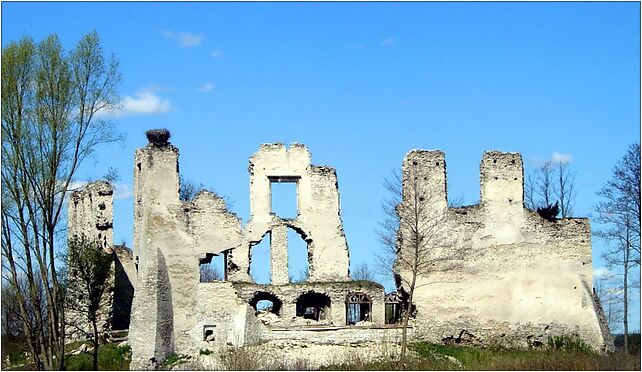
123	296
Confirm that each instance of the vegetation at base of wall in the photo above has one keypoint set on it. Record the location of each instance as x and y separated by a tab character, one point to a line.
111	357
427	356
568	343
175	359
205	352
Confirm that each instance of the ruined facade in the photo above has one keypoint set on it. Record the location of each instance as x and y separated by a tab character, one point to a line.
90	214
173	312
517	279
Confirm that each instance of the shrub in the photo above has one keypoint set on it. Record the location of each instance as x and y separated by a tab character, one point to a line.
572	343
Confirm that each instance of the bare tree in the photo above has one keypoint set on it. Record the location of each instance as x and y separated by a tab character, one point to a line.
363	272
89	268
209	273
611	299
619	211
49	127
187	190
565	190
530	196
545	183
550	190
414	234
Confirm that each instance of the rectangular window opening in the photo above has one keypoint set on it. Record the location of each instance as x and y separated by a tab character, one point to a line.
284	197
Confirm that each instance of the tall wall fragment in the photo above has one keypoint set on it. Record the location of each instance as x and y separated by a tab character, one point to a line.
170	238
520	279
318	220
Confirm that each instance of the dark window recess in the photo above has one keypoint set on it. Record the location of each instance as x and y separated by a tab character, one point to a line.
208	333
312	305
393	308
358	308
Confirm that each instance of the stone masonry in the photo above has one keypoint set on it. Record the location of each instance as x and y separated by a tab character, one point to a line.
518	278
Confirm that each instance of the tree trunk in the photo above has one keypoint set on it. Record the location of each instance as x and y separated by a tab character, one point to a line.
406	320
93	323
626	290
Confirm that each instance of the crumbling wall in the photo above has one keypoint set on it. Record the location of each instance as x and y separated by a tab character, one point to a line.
90	214
318	220
522	278
170	237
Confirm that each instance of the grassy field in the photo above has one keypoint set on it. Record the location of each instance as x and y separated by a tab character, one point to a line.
428	356
562	354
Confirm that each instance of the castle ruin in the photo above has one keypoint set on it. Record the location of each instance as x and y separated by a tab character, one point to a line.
521	280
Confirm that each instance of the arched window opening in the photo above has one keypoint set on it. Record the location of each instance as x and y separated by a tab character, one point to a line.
260	265
213	268
314	306
358	308
393	308
266	302
298	265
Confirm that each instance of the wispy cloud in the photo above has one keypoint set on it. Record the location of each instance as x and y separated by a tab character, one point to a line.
388	41
123	191
561	158
206	88
602	273
76	185
217	53
185	39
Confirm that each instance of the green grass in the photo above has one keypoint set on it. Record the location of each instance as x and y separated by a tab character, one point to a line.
569	355
110	357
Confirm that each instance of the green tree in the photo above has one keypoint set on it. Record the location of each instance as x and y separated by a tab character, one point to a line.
89	268
50	99
619	211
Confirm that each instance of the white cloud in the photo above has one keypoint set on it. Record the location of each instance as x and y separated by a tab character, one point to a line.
217	53
602	273
561	158
185	39
205	88
123	191
388	41
143	102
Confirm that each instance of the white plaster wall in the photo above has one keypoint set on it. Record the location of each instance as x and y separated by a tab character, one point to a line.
522	276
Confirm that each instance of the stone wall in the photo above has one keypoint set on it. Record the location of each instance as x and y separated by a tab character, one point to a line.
519	279
90	215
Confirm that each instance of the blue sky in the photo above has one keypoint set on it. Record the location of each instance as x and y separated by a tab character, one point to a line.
360	85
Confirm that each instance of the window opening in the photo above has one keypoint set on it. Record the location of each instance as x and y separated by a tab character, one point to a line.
298	265
314	306
284	197
358	308
266	302
208	333
212	268
393	308
260	265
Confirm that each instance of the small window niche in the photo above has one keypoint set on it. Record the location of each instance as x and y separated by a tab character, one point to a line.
284	197
208	333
